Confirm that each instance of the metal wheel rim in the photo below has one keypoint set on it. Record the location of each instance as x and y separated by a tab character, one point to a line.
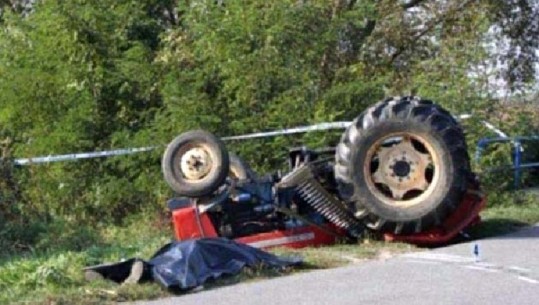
195	162
400	177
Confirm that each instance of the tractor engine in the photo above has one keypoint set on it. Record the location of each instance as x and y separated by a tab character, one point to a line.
249	209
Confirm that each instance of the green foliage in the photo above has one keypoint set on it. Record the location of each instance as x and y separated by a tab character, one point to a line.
79	76
495	165
93	75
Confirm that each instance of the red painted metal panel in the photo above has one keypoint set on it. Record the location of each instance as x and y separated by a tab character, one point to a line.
300	237
188	225
466	214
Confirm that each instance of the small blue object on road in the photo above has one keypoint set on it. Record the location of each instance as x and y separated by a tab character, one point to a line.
476	252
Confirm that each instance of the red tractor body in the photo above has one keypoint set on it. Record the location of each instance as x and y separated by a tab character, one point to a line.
401	170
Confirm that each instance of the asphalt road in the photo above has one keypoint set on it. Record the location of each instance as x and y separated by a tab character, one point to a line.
507	272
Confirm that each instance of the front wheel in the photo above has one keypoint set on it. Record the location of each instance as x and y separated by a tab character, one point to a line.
195	164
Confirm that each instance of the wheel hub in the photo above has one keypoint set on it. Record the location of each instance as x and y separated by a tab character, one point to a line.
401	169
195	163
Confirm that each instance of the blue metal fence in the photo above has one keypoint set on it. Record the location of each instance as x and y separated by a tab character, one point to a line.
517	166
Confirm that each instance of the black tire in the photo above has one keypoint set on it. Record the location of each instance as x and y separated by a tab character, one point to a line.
414	119
239	169
211	179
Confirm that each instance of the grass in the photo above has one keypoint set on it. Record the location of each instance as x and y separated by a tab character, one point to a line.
52	275
49	271
507	212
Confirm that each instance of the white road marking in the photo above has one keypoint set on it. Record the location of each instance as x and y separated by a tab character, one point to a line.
528	279
518	269
468	263
440	257
487	265
482	268
416	261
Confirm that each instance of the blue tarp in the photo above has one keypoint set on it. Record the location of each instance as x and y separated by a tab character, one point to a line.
188	264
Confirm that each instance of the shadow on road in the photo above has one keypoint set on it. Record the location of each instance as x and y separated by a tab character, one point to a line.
500	227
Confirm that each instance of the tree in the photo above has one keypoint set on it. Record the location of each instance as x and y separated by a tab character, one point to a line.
246	66
78	76
515	27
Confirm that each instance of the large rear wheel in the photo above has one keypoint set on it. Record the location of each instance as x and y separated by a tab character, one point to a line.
403	165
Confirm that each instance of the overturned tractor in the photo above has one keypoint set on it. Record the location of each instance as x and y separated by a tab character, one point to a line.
401	169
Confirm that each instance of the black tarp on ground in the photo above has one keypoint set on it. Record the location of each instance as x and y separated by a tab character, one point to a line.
188	264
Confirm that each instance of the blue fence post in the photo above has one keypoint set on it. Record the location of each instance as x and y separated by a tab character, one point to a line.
481	144
518	165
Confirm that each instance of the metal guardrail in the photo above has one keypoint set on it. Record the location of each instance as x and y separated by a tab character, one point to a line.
518	166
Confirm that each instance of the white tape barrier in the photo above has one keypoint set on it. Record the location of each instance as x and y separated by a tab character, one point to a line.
301	129
78	156
129	151
487	125
288	131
